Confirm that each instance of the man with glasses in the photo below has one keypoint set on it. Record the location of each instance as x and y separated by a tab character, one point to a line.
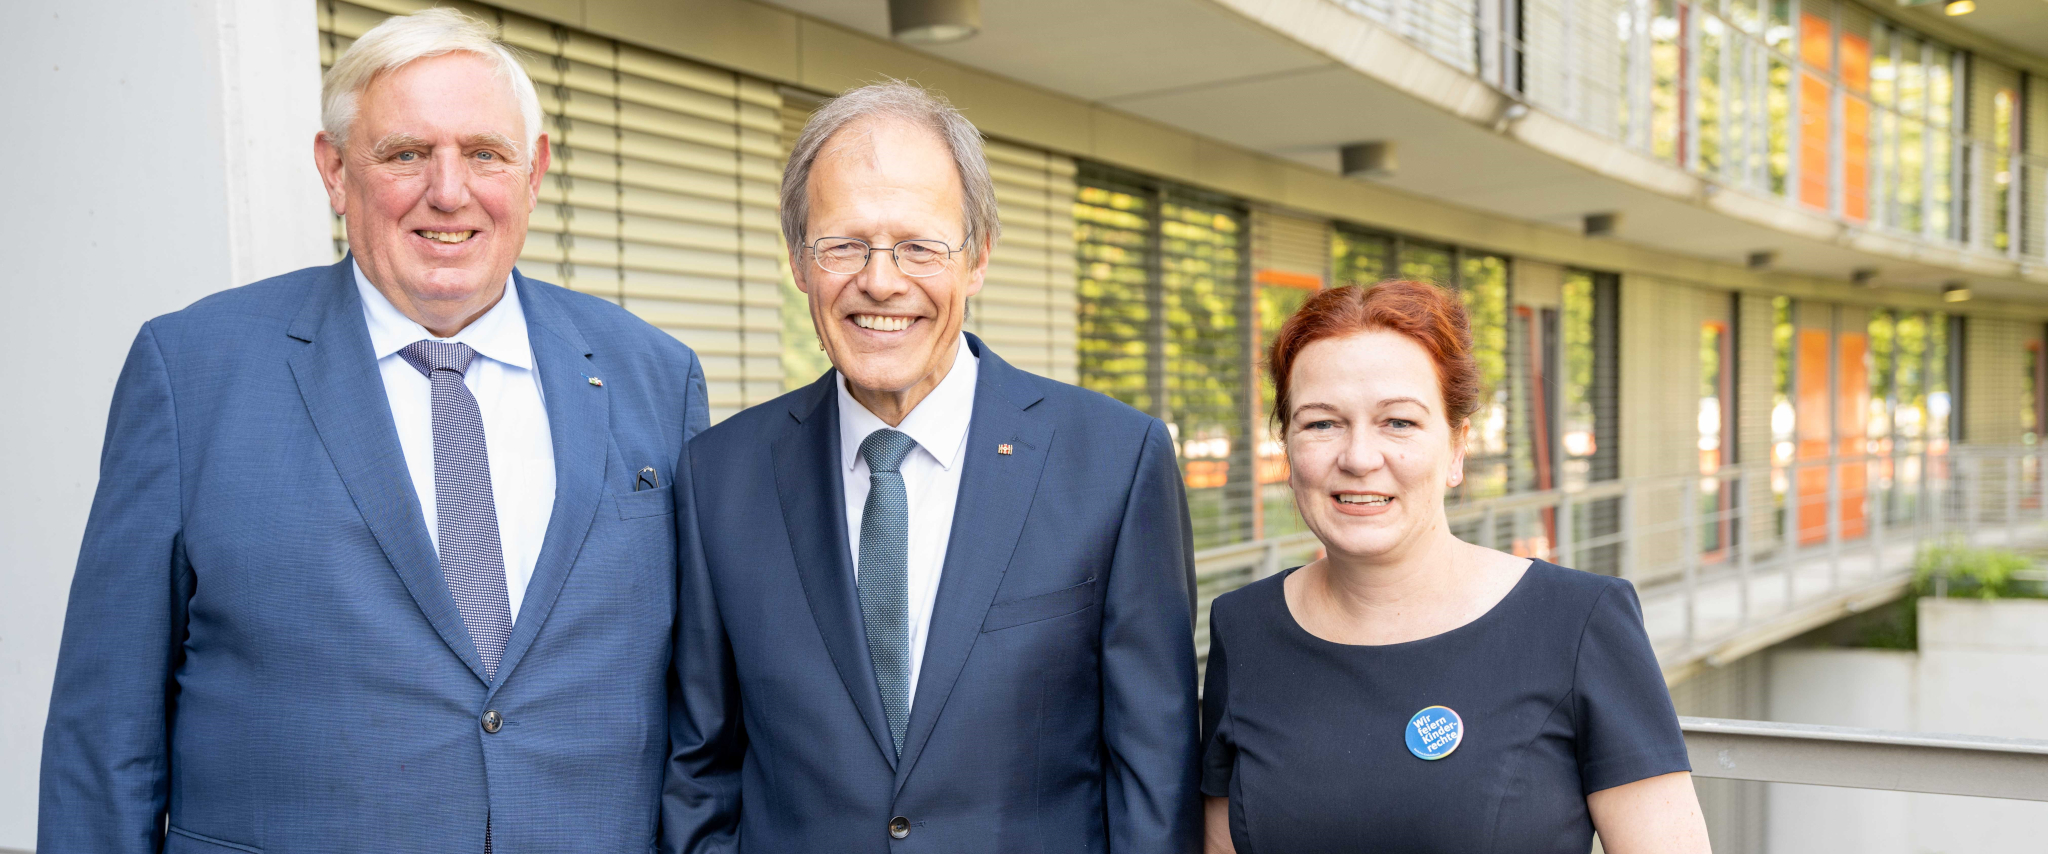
930	602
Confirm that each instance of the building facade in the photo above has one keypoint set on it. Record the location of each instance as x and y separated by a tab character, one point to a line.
1806	239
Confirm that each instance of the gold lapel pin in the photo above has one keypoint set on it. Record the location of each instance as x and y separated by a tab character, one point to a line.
595	381
1004	449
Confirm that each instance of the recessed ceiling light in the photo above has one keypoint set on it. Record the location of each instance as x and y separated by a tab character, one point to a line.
1959	7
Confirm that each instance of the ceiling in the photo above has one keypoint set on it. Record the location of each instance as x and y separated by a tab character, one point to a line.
2019	25
1195	65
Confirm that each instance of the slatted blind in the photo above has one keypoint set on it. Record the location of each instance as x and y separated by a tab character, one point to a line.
1027	306
661	197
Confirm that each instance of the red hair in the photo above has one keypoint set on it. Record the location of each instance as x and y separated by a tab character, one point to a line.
1432	316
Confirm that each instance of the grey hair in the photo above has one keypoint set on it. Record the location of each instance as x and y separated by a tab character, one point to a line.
403	39
912	103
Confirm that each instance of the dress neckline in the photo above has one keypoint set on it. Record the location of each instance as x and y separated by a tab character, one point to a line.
1294	625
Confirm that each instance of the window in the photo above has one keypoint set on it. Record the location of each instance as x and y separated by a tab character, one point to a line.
1161	294
1589	414
1716	436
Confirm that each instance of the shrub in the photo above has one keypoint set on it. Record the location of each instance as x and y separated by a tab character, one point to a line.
1974	572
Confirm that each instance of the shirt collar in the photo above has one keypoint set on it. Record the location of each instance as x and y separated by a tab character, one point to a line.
499	335
938	423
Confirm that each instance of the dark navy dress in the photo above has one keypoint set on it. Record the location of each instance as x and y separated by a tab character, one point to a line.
1557	686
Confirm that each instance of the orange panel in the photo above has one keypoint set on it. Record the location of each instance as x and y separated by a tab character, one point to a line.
1813	141
1852	419
1811	484
1855	159
1856	63
1815	37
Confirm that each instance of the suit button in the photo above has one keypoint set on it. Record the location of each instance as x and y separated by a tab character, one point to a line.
493	721
899	827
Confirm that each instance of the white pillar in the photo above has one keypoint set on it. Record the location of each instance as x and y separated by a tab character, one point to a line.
155	153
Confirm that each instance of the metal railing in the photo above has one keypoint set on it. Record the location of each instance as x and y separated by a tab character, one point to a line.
1731	561
1620	69
1934	763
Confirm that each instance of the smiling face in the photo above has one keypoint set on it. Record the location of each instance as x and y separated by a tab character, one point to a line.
1369	451
436	184
892	336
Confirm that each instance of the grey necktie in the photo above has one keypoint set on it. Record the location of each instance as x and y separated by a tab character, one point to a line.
472	559
883	579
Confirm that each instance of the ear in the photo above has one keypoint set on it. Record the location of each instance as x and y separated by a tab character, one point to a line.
979	272
796	268
1460	440
543	155
333	173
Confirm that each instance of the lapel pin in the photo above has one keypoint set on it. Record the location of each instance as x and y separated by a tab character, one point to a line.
595	381
1004	449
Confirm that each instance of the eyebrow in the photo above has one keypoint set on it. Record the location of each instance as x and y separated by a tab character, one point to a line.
1385	402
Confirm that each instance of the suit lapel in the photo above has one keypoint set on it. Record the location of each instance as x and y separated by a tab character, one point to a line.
579	424
812	489
996	491
344	394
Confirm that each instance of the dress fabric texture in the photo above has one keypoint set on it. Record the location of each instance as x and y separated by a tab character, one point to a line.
1557	686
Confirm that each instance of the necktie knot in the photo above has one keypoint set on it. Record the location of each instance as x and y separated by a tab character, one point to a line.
430	356
885	449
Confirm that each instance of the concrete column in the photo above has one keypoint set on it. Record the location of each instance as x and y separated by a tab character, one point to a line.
157	152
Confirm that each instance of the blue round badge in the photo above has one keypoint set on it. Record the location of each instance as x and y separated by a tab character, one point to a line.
1434	732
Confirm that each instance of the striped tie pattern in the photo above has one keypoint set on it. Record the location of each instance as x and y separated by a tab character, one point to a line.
472	558
883	579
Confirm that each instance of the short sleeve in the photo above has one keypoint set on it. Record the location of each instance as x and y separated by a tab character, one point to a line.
1219	753
1626	727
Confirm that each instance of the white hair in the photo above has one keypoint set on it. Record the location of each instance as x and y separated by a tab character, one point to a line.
912	103
402	39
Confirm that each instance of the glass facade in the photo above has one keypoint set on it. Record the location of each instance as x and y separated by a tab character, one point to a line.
1163	302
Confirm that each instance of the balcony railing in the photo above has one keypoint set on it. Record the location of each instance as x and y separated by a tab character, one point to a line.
1743	557
1727	97
1941	764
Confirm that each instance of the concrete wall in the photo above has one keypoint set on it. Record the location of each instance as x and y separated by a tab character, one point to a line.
1982	669
157	152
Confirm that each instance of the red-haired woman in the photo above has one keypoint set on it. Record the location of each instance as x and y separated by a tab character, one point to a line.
1411	691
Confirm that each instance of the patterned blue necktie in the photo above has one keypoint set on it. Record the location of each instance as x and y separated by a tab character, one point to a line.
472	559
883	576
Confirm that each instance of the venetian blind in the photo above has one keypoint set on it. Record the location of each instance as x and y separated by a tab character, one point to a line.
661	196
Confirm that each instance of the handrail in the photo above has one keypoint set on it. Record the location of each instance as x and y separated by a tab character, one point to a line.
1934	763
1788	543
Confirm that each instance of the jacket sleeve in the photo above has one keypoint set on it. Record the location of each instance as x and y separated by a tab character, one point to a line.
106	762
700	802
1149	720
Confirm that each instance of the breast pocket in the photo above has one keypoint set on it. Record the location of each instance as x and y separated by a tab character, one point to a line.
1045	606
659	501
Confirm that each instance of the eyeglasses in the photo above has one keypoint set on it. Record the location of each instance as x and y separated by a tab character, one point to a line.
847	255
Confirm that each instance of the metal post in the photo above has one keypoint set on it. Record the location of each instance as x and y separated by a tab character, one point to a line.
1743	557
1875	496
1489	527
2012	501
1969	498
1834	521
1565	530
1628	530
1788	552
1690	553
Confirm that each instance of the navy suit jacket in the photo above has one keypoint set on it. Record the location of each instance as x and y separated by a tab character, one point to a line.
1055	710
260	647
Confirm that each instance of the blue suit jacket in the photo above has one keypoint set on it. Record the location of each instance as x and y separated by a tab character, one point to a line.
1055	710
261	643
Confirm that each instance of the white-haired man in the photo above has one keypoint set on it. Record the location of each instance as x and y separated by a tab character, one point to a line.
930	603
382	556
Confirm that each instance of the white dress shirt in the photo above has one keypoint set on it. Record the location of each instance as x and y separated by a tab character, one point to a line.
516	435
931	480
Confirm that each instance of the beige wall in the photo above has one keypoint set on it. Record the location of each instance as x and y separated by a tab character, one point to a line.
1994	365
